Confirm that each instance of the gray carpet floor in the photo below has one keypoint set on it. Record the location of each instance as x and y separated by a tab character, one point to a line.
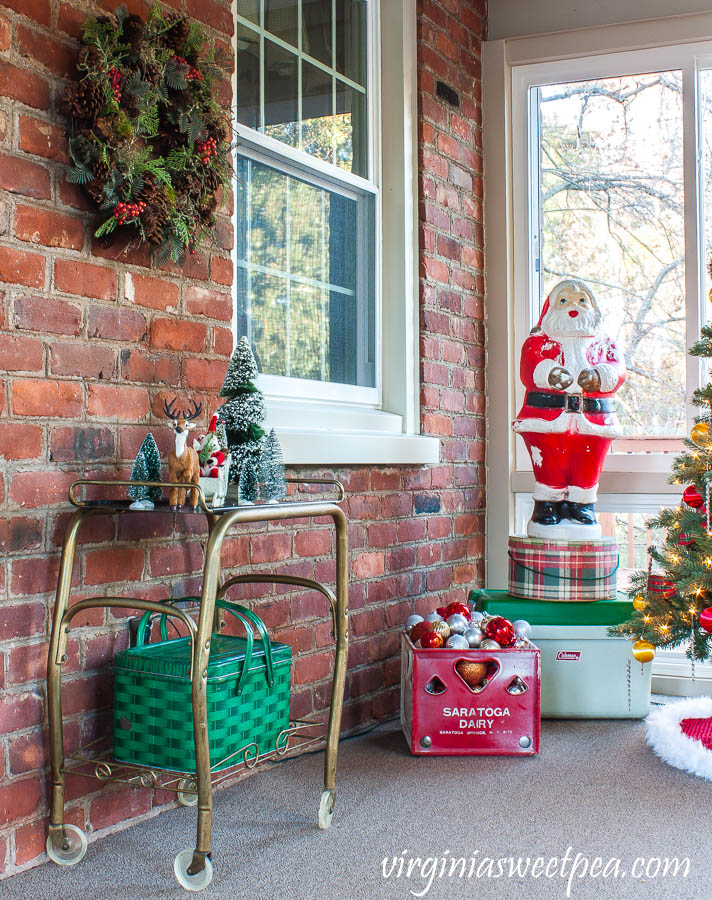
595	787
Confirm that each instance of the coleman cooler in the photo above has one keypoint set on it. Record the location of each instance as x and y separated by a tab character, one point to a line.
585	673
441	715
567	571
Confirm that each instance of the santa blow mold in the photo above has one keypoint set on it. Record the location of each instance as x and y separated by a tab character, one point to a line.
570	370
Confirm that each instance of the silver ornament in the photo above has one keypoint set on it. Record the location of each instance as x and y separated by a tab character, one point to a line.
412	620
476	616
458	624
433	617
489	644
457	642
523	628
474	637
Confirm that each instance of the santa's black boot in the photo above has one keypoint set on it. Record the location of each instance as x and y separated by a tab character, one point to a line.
582	512
546	513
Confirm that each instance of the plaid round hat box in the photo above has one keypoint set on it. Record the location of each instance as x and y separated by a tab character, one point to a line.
568	571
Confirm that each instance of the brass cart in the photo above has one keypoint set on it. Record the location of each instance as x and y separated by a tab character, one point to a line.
66	843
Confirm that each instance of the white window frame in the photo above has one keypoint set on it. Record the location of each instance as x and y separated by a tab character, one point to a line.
366	425
509	67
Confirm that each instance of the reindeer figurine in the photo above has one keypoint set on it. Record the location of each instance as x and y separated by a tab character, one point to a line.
183	463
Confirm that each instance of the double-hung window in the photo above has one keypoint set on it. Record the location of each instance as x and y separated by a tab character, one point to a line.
316	251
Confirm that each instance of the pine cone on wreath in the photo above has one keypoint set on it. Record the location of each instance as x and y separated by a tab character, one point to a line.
132	31
95	189
89	57
157	209
177	34
105	127
84	99
101	170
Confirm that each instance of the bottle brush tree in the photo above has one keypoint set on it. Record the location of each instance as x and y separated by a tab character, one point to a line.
243	409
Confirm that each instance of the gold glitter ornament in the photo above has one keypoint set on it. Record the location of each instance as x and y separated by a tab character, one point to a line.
643	651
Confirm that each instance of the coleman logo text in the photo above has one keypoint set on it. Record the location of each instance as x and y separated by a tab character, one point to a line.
569	654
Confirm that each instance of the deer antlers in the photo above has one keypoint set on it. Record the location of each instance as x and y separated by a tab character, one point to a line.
186	414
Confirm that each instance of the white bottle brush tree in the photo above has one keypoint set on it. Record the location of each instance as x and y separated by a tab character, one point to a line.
243	409
270	472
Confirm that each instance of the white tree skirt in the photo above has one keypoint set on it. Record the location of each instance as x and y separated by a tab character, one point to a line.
669	742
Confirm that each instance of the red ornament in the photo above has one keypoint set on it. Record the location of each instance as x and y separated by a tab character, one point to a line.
501	630
457	608
685	539
706	619
442	612
692	497
418	630
431	640
661	586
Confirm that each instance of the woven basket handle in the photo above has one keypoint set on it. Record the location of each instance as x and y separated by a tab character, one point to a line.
146	618
241	612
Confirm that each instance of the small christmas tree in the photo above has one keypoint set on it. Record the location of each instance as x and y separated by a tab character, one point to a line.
139	472
152	460
248	481
243	409
670	609
270	473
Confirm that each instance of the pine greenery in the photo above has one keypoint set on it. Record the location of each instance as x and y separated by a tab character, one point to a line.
139	472
152	459
685	557
243	409
248	481
273	485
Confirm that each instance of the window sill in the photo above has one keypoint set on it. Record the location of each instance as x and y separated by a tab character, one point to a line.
672	675
363	436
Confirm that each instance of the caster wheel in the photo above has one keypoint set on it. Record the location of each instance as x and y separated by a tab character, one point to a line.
192	882
71	850
187	784
326	809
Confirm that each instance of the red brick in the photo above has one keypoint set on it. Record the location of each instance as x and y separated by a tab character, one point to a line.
204	374
20	441
155	293
174	334
201	301
46	398
221	270
21	354
37	575
312	667
71	20
19	711
86	693
113	565
5	34
28	752
53	229
212	13
126	404
60	59
266	548
22	620
18	267
78	443
20	799
20	533
126	325
47	314
109	808
28	662
223	341
312	543
368	565
82	360
137	365
176	560
31	489
74	277
37	10
25	86
367	622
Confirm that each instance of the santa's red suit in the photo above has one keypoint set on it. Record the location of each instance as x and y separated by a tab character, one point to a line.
568	429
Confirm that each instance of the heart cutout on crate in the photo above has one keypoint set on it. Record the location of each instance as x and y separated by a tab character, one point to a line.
476	674
680	733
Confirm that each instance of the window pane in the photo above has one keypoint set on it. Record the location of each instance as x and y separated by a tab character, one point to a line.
281	110
610	211
305	277
248	77
314	93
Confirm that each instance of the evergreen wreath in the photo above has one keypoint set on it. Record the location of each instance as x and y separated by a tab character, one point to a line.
150	143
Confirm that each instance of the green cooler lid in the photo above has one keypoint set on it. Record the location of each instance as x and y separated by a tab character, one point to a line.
547	612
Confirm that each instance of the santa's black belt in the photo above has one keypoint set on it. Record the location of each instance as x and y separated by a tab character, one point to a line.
569	402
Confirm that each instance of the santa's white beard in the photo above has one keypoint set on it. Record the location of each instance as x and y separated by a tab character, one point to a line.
557	323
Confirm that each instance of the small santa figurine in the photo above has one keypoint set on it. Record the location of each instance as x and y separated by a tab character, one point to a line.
570	370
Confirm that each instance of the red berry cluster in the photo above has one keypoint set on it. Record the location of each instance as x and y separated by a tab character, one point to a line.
125	211
192	74
206	149
116	78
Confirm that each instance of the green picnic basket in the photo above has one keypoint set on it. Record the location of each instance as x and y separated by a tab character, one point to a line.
247	696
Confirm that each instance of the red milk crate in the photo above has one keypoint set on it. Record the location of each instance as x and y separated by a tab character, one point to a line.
442	716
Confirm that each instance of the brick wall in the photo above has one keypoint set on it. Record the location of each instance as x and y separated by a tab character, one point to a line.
92	340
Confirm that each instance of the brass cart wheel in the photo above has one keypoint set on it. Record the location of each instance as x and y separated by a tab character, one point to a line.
190	798
72	848
192	882
326	809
